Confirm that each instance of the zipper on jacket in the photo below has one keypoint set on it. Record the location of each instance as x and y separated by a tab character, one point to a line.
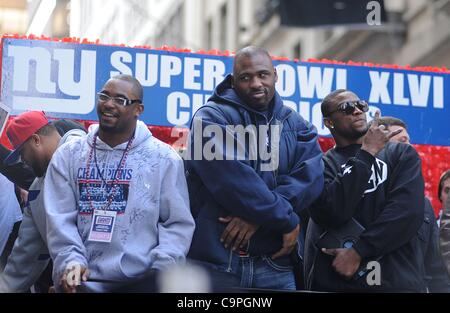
275	173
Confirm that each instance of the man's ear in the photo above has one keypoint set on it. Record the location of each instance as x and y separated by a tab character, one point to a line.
138	110
276	74
328	123
36	139
232	81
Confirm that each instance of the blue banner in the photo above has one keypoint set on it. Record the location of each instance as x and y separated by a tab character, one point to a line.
62	79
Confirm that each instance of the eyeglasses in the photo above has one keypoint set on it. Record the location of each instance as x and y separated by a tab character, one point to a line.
103	97
349	107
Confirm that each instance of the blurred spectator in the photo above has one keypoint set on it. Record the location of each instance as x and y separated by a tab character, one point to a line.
22	196
445	221
443	190
10	217
436	277
35	140
21	174
18	173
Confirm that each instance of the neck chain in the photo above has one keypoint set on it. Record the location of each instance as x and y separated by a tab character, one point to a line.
113	188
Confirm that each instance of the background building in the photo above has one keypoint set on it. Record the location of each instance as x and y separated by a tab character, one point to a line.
48	17
416	33
13	16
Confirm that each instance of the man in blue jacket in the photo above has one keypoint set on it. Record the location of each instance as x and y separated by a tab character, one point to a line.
247	202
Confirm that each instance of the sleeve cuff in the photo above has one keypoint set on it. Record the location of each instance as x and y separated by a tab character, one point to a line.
363	249
293	222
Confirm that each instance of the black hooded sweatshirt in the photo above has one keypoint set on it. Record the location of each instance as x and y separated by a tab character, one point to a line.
385	194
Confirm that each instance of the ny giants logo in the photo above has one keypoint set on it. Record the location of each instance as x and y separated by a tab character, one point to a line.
53	74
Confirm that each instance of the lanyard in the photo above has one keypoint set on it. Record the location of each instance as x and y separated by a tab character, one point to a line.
114	185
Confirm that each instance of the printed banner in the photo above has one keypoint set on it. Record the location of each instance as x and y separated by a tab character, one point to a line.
62	79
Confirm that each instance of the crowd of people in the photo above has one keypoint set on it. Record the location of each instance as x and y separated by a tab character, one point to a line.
253	202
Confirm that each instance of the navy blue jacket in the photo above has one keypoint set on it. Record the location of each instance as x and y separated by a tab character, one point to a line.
272	199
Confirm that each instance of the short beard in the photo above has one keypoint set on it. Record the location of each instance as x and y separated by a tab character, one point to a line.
108	129
359	134
354	134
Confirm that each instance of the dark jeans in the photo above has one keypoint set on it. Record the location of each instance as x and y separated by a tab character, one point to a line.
259	272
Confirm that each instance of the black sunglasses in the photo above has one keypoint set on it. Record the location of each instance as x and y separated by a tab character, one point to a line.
349	107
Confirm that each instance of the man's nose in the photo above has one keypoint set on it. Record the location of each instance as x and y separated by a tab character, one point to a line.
357	111
109	103
255	83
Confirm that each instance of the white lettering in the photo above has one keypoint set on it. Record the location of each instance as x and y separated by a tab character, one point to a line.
190	73
379	90
213	73
84	89
419	91
399	92
177	100
374	276
315	82
118	60
22	57
286	80
170	66
438	92
317	120
147	69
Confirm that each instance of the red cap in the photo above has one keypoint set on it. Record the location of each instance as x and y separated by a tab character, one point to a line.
21	128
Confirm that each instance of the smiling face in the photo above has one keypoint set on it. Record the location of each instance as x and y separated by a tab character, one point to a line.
118	119
346	128
254	79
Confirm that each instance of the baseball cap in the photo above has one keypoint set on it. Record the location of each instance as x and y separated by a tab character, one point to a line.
20	129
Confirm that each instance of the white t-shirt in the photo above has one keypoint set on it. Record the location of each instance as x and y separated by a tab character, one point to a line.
10	212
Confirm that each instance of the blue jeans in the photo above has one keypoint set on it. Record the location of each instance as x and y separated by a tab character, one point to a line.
256	272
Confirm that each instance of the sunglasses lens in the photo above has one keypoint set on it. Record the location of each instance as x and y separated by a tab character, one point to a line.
349	107
362	105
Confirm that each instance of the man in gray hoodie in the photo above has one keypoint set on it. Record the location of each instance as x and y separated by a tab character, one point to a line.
116	201
35	140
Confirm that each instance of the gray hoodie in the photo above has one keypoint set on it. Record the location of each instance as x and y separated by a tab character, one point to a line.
30	256
153	227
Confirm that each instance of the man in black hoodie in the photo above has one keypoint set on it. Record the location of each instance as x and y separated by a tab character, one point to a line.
436	276
372	183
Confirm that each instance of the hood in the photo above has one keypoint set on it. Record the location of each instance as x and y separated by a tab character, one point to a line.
142	133
70	135
225	93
